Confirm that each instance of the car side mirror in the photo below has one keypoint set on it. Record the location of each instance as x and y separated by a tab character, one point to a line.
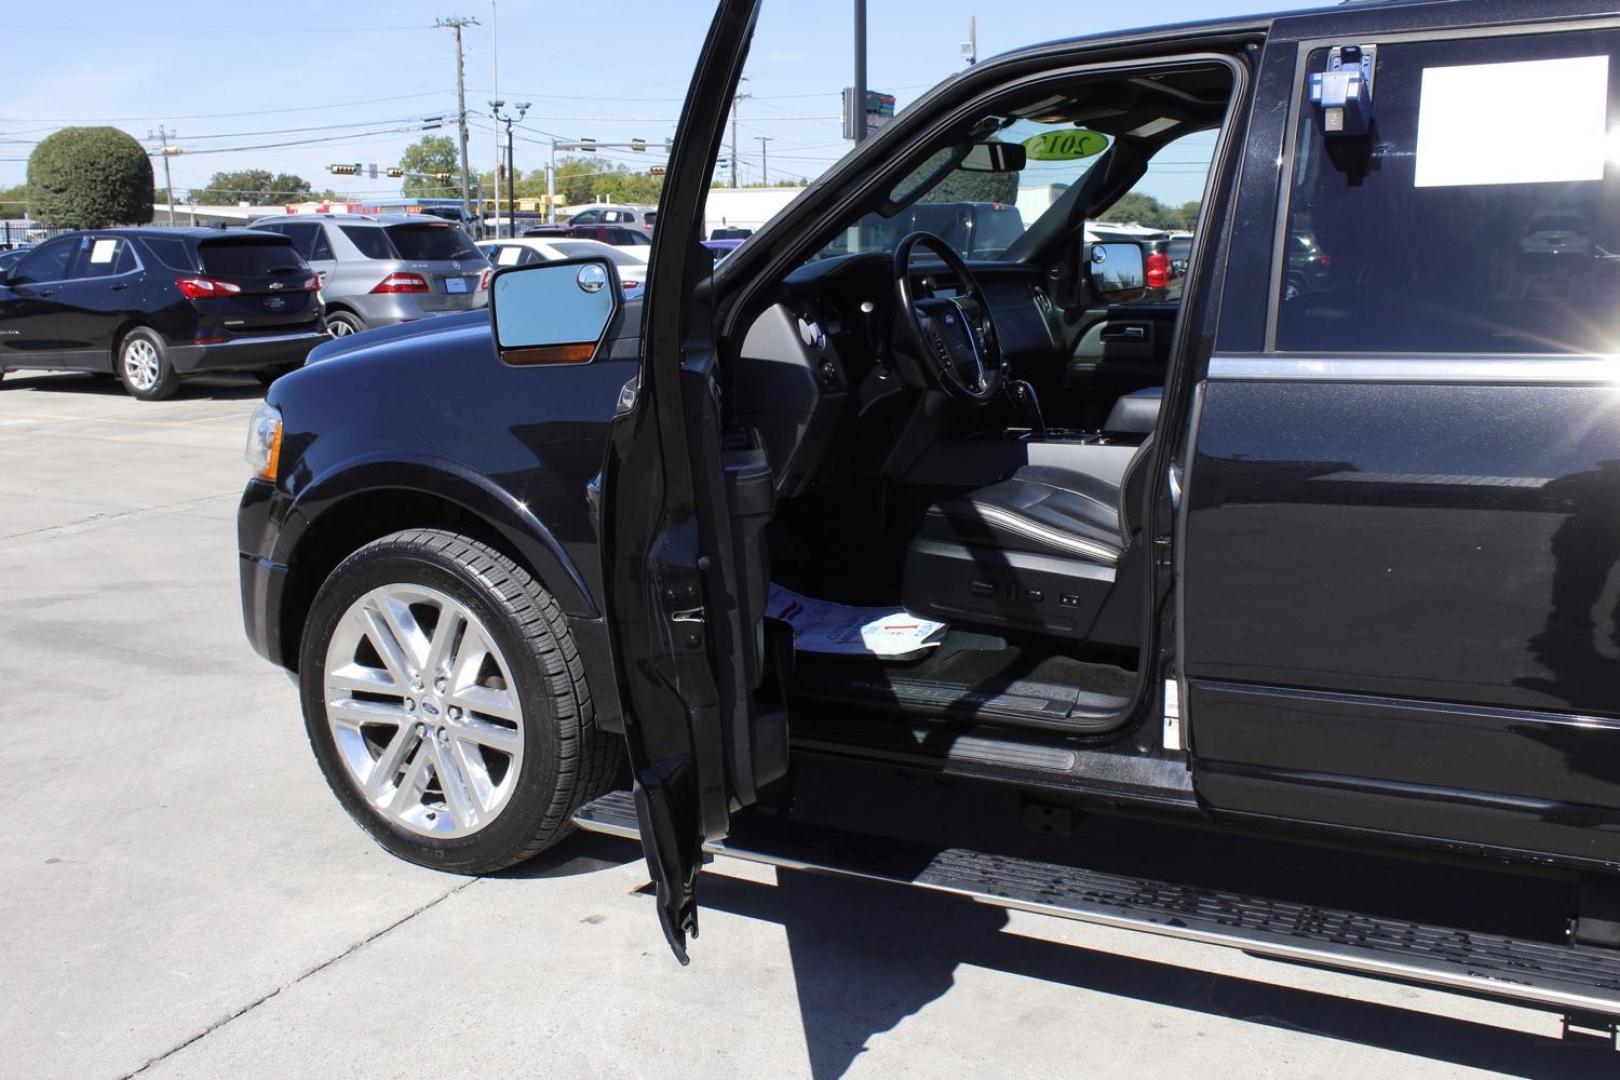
553	313
1118	271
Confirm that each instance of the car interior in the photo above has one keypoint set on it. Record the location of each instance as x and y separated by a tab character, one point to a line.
963	440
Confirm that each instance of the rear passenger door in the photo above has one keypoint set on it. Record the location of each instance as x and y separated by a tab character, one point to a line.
98	295
1401	605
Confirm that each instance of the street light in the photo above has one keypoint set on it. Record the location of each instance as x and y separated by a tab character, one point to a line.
522	107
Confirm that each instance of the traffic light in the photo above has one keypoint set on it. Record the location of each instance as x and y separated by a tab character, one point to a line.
638	145
344	170
443	177
656	170
395	173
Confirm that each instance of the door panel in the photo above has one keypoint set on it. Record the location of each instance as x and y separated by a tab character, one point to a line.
94	302
1401	611
30	309
676	565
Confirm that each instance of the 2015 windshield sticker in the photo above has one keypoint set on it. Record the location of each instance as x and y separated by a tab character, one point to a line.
1070	144
1528	122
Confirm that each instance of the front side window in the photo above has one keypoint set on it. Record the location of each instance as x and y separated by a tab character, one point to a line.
1482	215
49	263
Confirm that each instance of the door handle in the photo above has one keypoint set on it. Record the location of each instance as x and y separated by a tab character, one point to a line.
44	292
119	286
1128	332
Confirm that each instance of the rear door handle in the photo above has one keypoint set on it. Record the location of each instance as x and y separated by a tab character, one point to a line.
120	285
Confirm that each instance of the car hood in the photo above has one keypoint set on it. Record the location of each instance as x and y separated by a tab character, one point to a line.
474	322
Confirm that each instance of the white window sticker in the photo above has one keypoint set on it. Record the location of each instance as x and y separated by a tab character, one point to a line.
1530	122
102	252
509	256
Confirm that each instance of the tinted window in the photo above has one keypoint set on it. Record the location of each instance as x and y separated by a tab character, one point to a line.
586	216
171	252
322	248
301	233
1393	246
370	239
103	256
249	257
431	243
47	263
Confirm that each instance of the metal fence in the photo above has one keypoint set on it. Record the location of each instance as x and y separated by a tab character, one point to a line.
18	231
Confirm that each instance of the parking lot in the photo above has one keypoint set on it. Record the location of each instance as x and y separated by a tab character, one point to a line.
182	897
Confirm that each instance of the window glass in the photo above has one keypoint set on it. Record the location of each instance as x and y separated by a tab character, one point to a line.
171	252
1392	245
585	217
301	233
46	264
101	256
249	256
371	241
431	243
322	248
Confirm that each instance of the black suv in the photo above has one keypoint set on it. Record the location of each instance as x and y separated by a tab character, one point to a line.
821	540
154	306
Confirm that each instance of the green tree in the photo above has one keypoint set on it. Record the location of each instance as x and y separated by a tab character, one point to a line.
88	178
1136	208
13	201
432	154
256	187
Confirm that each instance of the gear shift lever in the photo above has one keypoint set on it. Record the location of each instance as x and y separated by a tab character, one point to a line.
1028	405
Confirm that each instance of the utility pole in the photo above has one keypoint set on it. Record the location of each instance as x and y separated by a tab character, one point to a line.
495	88
495	108
458	23
163	136
857	94
734	99
970	47
764	173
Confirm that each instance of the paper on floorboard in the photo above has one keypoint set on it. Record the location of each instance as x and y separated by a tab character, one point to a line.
820	626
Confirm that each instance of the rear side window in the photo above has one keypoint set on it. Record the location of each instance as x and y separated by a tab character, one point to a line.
249	257
371	241
301	233
431	243
171	252
1439	236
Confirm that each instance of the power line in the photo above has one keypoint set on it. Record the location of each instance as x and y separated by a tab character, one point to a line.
212	116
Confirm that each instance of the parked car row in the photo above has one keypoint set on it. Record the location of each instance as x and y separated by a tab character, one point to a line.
155	306
528	250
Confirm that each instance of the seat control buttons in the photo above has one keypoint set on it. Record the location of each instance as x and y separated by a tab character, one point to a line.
1034	596
1069	600
982	588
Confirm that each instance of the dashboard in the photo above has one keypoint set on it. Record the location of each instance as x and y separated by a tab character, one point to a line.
828	353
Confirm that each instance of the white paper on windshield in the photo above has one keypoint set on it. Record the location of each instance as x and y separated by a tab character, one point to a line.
102	251
1528	122
509	256
820	626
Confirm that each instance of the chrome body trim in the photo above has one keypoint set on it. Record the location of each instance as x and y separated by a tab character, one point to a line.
1526	370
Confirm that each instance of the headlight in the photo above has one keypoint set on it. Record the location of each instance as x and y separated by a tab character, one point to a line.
264	441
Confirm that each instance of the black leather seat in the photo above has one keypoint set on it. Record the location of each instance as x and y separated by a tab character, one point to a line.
1041	551
1040	509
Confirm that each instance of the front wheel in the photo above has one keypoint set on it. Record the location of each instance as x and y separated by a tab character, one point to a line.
143	366
447	705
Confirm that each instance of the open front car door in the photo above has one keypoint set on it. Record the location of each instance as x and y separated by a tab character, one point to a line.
683	507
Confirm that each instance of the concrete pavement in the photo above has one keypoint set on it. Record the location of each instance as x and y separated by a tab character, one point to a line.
182	897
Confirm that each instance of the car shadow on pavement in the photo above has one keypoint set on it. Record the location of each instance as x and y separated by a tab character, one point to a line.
867	955
213	387
579	853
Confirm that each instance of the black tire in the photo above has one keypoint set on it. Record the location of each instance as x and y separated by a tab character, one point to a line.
567	760
349	324
166	381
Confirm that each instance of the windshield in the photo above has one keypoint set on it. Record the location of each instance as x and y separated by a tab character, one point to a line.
590	249
982	213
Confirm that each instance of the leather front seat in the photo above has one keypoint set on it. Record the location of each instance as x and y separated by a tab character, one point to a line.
1040	509
1040	551
1135	413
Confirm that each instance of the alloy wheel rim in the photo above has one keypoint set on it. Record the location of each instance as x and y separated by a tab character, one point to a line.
339	328
141	364
423	711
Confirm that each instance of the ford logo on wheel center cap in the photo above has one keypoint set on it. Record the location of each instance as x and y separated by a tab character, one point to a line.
430	708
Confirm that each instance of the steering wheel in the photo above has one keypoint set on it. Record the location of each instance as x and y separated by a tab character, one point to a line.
958	341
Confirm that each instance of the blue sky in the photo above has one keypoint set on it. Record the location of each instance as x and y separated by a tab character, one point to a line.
363	75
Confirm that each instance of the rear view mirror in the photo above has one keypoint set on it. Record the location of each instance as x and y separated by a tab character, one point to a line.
994	157
553	313
1117	270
